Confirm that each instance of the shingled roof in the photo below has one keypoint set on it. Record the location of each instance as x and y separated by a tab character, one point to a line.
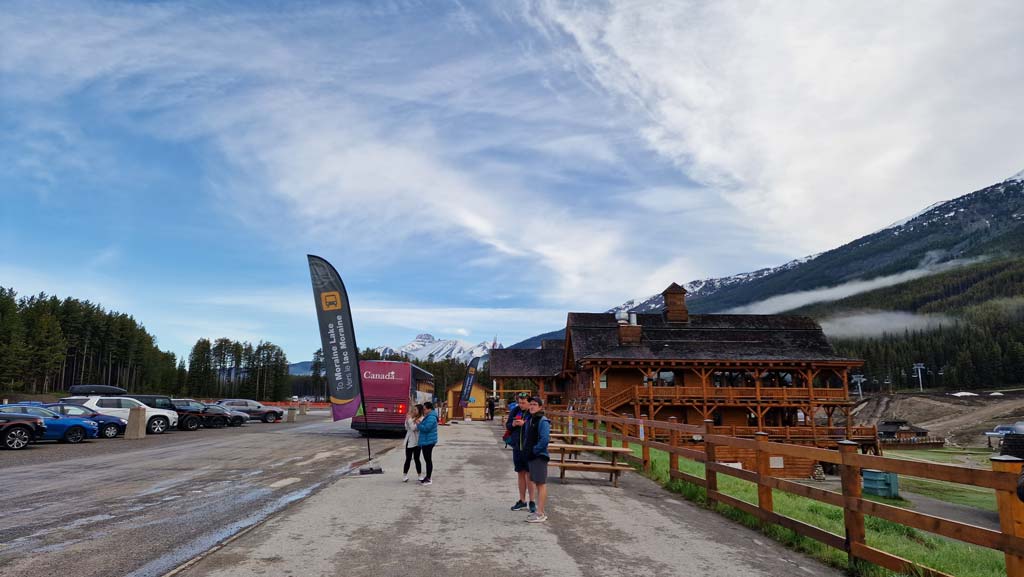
704	337
526	363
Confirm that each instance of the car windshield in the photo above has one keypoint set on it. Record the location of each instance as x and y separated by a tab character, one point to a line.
37	411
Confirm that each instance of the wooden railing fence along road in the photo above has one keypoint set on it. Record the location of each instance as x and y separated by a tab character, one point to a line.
686	441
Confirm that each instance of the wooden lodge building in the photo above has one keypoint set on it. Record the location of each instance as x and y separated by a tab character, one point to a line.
744	373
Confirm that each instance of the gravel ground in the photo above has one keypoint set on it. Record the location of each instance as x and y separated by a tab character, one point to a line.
118	507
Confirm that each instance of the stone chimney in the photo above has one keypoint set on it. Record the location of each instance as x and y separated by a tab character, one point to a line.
675	304
629	331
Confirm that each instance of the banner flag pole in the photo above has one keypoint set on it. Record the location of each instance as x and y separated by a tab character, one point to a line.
341	354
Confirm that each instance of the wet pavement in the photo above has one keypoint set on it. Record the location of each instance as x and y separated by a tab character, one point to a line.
143	507
461	526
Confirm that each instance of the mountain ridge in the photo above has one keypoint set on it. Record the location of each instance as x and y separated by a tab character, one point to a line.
988	222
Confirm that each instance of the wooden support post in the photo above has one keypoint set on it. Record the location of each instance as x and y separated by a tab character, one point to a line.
626	431
710	477
645	447
764	492
673	440
852	519
1011	512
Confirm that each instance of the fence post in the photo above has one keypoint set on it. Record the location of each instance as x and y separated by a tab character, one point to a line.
626	432
853	520
645	447
1011	512
764	492
710	477
607	434
673	440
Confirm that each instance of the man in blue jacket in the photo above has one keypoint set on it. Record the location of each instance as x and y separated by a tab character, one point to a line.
538	434
518	418
428	438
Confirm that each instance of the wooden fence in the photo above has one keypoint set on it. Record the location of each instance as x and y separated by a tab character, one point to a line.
695	443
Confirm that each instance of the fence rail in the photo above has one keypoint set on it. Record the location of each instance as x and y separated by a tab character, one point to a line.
699	443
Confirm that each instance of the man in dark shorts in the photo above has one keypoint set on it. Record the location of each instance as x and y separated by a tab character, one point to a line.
518	417
538	434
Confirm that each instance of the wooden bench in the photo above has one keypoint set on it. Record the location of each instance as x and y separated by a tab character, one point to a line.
613	467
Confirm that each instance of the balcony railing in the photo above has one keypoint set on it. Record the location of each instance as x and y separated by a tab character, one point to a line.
738	394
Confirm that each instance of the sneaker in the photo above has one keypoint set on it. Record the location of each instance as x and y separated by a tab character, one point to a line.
519	506
405	479
533	507
426	482
420	479
535	518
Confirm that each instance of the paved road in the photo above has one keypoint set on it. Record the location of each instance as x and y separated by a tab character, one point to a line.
461	526
143	507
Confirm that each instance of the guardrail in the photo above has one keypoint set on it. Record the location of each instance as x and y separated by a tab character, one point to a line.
696	443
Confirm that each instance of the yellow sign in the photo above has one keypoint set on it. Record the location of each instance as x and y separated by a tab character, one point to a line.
330	301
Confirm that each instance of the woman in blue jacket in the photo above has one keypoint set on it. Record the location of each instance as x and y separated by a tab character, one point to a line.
428	438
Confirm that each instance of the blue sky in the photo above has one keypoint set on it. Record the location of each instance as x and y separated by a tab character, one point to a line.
473	169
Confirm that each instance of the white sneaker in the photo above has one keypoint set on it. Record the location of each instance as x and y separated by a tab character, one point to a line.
420	479
405	479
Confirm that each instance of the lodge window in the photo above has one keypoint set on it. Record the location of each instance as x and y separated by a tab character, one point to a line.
667	377
604	381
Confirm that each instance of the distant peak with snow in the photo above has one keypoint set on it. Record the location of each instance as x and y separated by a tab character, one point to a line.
425	346
1018	177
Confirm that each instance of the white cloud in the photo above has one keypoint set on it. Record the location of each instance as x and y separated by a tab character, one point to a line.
818	121
348	141
877	323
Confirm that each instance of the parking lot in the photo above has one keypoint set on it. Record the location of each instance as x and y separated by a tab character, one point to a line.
121	507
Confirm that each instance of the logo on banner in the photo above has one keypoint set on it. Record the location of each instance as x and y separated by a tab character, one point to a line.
330	301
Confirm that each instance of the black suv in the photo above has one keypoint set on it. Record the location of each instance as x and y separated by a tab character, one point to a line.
253	409
17	431
192	414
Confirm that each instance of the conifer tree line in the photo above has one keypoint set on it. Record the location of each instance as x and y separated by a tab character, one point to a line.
225	368
48	344
984	349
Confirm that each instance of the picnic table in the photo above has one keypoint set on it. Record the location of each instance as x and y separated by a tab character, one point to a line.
613	467
571	438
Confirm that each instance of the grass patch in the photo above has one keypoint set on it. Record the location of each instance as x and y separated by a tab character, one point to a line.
977	497
953	557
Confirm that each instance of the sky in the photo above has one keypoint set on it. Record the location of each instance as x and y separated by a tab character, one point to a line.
474	169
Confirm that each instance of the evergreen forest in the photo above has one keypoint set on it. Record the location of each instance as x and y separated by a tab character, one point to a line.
48	344
979	343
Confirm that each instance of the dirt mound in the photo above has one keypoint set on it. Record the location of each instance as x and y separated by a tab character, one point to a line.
962	420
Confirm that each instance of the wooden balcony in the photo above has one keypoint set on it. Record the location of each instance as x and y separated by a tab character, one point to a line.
722	395
804	435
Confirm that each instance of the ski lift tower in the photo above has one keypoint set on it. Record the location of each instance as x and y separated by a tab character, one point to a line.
920	382
859	379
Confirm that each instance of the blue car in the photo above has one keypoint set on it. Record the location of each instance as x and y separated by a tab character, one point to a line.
110	426
58	428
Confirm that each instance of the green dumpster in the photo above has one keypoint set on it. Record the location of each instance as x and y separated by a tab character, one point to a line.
881	483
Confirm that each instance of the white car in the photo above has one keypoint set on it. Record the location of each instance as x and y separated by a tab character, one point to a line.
157	420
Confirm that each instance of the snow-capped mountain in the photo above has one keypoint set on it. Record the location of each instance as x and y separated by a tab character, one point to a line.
706	287
426	346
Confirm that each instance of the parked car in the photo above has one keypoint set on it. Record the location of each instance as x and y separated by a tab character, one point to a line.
157	420
1003	430
156	401
58	428
195	414
254	409
235	418
17	431
110	426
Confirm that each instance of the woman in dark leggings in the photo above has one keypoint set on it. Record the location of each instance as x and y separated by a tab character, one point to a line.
428	438
412	442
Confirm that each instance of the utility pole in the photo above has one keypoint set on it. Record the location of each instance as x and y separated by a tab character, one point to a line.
920	382
858	379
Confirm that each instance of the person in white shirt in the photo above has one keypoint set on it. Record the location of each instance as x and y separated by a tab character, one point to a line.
412	442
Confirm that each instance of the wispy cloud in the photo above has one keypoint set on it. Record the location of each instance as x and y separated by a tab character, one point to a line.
793	300
816	121
877	323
